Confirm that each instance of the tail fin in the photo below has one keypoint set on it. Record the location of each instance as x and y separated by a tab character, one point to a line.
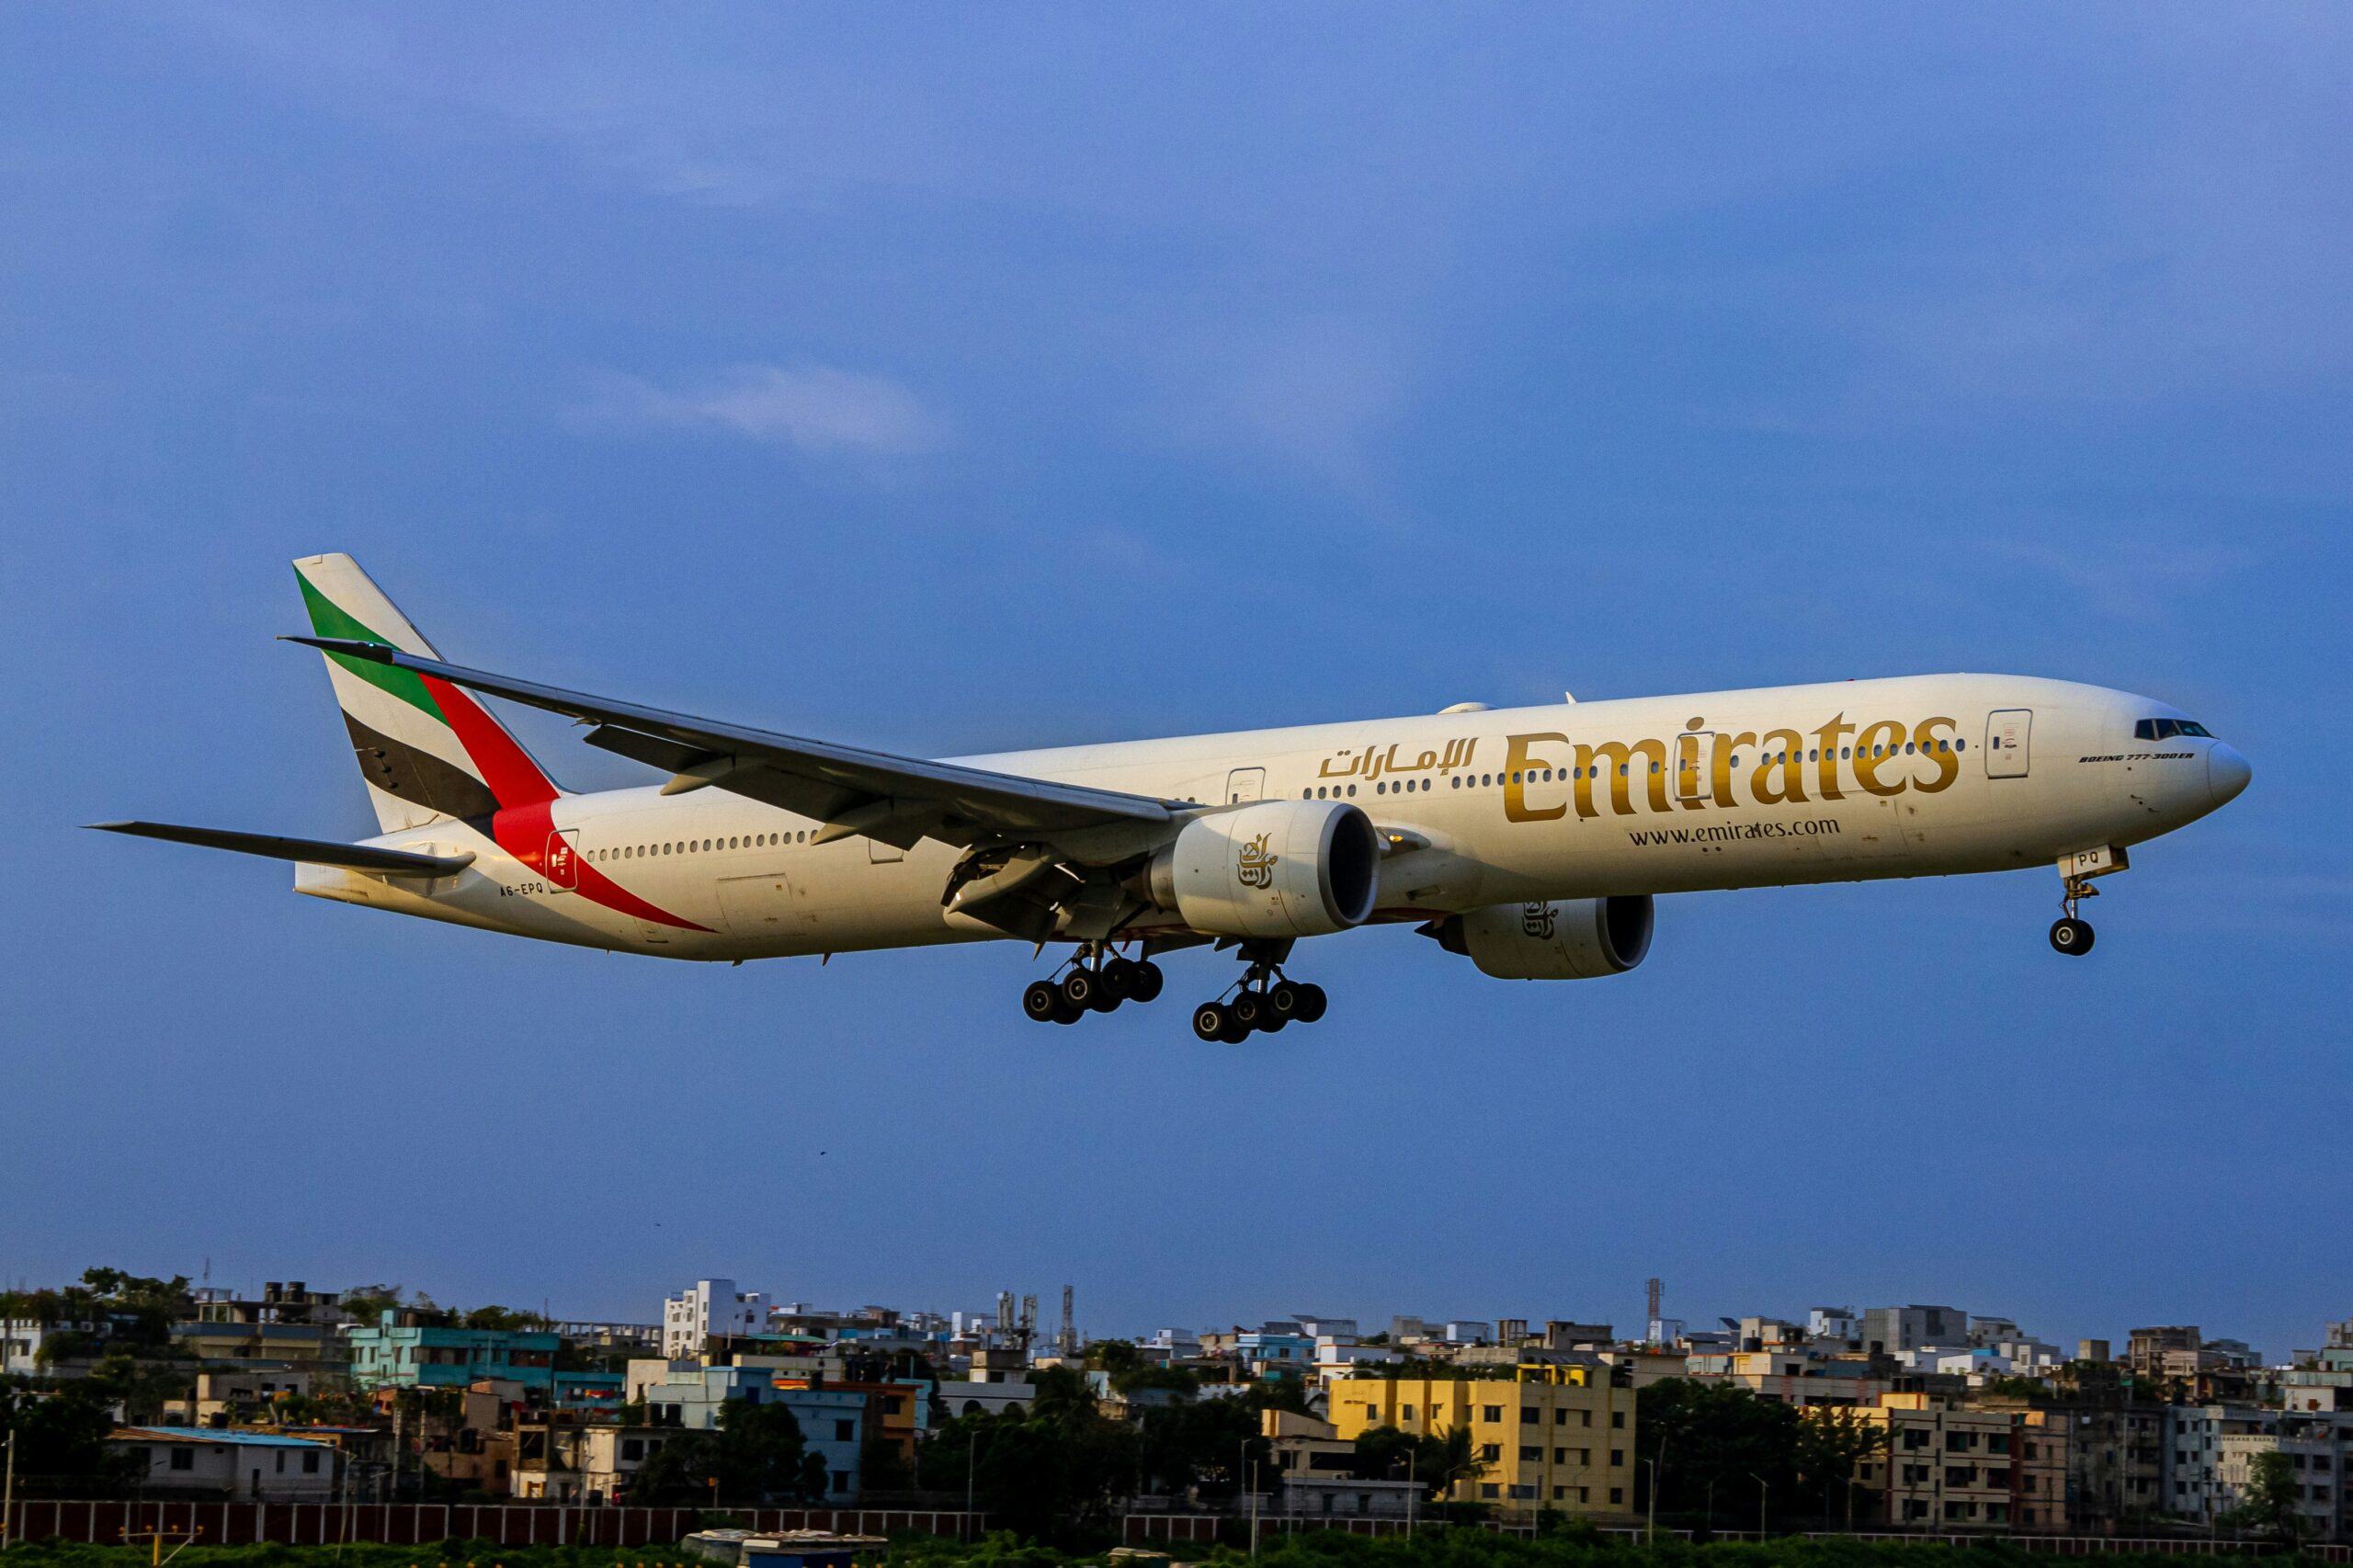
427	749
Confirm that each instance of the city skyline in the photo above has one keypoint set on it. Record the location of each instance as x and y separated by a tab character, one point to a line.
950	383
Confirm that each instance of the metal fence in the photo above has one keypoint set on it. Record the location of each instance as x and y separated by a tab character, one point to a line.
416	1524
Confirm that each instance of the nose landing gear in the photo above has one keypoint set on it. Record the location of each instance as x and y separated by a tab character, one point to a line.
1097	981
1265	1000
2071	933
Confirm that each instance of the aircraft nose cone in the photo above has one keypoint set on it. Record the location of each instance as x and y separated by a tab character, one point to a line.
2226	773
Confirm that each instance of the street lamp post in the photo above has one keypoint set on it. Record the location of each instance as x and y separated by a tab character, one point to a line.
1763	1491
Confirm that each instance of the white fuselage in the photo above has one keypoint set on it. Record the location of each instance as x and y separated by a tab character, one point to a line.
1649	795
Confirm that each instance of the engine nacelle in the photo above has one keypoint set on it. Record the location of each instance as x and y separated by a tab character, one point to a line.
1578	939
1274	868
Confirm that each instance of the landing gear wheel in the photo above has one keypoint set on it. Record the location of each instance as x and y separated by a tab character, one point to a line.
1145	987
1311	1003
1119	979
1064	1013
1249	1010
1082	993
1210	1021
1283	1002
2072	937
1042	1001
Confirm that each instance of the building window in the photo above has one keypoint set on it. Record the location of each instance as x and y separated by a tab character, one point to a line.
1530	1456
844	1431
310	1464
1491	1412
1529	1416
1618	1419
1489	1489
1617	1495
1491	1452
841	1481
1617	1459
182	1459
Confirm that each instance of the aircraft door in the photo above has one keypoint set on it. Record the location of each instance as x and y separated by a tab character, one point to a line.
756	906
1691	749
1245	784
560	864
2007	734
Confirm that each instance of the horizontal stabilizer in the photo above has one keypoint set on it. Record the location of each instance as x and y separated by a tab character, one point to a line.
310	851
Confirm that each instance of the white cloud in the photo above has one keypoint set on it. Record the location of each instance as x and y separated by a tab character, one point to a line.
812	408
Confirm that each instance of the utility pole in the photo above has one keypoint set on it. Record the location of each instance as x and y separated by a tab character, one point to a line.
1762	1493
8	1495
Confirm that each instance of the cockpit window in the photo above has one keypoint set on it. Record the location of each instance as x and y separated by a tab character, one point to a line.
2167	728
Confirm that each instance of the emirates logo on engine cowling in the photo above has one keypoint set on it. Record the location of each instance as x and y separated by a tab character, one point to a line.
1536	920
1254	867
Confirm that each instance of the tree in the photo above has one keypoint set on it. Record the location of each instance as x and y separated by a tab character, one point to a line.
1708	1442
503	1320
2268	1505
1114	1356
758	1456
1831	1444
61	1441
1053	1471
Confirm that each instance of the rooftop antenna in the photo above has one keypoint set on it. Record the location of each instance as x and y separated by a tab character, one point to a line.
1068	1342
1029	1330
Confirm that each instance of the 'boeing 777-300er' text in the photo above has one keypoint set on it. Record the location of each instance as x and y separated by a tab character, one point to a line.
1530	840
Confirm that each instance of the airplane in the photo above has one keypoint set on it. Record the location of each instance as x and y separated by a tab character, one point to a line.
1532	841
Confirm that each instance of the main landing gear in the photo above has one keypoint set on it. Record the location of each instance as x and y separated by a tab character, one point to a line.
1098	981
1262	1000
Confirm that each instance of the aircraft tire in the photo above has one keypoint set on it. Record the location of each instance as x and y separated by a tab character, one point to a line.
2072	937
1081	991
1148	980
1313	1001
1211	1020
1041	1001
1119	979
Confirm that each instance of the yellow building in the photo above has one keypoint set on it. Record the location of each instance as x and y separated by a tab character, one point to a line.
1550	1436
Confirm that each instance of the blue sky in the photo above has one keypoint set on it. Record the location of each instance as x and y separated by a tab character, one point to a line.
952	381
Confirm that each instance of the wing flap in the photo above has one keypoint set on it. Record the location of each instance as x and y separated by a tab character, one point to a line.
309	852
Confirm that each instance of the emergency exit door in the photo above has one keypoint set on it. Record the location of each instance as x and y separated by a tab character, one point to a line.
1245	784
2007	734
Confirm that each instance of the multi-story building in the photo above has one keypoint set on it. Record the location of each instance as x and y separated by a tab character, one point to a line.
2211	1452
413	1355
1948	1469
1887	1330
709	1307
1553	1437
833	1421
1802	1375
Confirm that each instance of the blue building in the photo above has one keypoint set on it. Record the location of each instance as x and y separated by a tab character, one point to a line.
833	1421
394	1355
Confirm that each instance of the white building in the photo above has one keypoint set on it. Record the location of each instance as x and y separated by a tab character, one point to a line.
247	1466
712	1306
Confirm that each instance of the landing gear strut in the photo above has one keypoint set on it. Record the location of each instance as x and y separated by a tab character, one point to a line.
1264	1000
1097	980
2071	933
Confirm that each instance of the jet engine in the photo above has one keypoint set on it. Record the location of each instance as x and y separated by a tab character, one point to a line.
1578	939
1274	868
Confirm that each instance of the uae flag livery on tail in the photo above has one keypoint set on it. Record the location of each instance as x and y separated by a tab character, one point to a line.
427	750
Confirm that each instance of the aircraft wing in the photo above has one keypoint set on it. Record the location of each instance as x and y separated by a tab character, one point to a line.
895	799
309	852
